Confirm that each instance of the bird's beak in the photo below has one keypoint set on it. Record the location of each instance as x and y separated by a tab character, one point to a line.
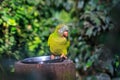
65	34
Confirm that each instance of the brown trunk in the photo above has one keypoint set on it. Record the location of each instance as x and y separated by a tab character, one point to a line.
47	71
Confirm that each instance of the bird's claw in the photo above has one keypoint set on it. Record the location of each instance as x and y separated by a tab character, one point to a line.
52	57
63	56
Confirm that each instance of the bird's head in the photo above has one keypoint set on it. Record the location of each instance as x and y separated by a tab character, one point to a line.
62	30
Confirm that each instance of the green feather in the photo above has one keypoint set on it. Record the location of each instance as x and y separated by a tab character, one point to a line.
58	44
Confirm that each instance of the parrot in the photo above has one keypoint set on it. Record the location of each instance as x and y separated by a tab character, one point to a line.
58	41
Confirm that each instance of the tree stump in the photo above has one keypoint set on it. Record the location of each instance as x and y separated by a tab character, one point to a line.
64	70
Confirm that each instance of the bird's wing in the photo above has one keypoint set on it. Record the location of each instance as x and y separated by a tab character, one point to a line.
49	39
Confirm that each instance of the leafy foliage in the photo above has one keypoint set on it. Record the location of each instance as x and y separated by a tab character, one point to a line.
26	24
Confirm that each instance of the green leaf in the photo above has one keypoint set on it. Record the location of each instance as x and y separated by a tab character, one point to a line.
32	47
12	22
88	64
117	63
1	21
5	18
12	39
1	50
95	19
12	70
89	32
64	16
37	40
13	30
1	41
41	52
36	13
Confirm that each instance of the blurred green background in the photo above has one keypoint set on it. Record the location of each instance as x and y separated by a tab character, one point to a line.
25	26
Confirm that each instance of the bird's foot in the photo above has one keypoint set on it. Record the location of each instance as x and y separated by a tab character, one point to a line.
52	57
63	56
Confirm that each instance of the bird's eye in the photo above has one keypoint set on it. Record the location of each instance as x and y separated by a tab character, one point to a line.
60	31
